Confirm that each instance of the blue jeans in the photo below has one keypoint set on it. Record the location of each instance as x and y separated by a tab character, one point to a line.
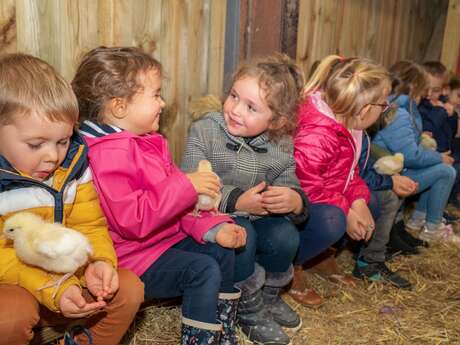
435	184
198	272
326	225
272	242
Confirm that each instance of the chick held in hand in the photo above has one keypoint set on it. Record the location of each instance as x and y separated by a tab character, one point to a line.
390	165
50	246
428	142
205	202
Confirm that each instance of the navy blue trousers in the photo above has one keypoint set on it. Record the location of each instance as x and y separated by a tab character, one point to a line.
326	225
197	272
272	242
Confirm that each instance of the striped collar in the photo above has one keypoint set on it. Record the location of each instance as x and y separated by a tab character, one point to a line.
95	130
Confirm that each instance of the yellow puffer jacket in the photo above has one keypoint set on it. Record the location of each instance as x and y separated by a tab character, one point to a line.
71	200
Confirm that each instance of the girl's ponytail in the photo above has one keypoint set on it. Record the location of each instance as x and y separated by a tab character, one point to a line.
322	73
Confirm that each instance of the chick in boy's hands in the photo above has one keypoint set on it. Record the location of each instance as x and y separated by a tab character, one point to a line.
231	236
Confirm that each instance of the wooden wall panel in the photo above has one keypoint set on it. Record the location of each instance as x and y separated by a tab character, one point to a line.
187	36
451	46
7	26
384	30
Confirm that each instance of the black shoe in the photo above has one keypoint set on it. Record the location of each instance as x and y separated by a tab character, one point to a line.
409	239
398	244
378	271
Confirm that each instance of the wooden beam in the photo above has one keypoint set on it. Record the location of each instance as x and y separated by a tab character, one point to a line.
451	42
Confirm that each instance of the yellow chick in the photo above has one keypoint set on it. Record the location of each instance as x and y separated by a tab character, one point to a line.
428	142
205	202
390	165
52	247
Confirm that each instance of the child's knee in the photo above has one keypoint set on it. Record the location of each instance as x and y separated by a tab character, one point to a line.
287	240
131	291
331	222
451	172
389	199
19	313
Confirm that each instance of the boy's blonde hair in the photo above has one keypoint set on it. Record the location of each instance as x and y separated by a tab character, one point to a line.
409	78
348	84
281	80
107	73
29	84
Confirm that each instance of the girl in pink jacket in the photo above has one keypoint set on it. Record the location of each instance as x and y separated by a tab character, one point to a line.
149	202
343	97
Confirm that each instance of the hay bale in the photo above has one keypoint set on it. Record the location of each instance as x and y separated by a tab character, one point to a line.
373	313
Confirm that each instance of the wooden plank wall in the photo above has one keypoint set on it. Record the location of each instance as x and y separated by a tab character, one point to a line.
384	30
187	36
451	45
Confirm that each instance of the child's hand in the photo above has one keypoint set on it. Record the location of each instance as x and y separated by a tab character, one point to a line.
101	280
206	183
447	158
364	217
73	305
403	186
282	200
356	228
231	236
449	108
251	200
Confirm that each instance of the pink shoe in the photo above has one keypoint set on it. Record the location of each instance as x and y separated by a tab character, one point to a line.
443	233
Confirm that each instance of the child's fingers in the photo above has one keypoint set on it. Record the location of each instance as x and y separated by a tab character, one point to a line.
271	192
275	199
77	300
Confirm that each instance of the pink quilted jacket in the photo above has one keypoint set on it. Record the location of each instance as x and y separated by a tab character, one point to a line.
324	152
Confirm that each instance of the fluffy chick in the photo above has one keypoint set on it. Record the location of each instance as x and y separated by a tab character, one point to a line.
205	202
390	165
428	142
52	247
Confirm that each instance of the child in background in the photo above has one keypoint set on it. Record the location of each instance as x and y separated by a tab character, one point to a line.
452	100
343	97
387	190
432	170
148	201
250	148
438	118
44	170
453	93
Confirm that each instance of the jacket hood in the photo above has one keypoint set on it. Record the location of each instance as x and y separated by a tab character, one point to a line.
403	101
310	116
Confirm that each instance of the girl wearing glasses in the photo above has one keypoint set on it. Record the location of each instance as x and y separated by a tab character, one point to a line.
342	98
432	170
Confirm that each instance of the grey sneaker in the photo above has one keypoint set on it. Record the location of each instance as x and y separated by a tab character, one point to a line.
282	313
415	224
257	323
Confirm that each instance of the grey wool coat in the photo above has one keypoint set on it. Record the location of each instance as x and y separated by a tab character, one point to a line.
241	163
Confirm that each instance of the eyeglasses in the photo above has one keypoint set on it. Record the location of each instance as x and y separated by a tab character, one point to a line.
385	106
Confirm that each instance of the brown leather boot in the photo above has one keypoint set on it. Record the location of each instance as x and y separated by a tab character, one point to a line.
326	266
301	292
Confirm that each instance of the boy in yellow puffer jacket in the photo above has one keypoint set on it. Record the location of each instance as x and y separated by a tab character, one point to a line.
44	170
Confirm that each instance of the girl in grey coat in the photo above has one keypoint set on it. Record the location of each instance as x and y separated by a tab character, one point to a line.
250	148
